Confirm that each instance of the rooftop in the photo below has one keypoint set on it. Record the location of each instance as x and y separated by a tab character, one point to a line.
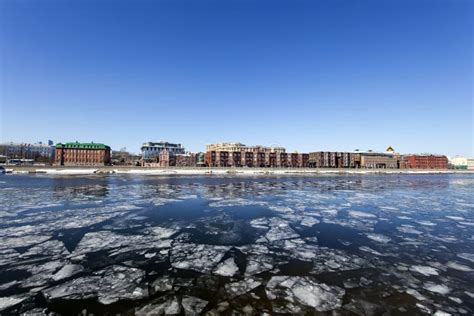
90	145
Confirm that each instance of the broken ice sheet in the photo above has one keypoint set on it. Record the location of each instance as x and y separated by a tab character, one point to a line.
198	257
292	294
279	229
109	285
332	260
238	288
170	306
193	305
107	240
227	268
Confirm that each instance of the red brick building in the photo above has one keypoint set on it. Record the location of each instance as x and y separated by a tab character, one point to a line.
425	162
82	154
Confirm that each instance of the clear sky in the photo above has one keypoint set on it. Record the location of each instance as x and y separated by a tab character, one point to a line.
306	75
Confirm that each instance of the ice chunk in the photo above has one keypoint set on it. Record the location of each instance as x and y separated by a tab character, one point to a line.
47	248
466	256
109	285
7	302
370	250
309	221
437	288
168	307
293	291
227	268
164	232
332	260
193	305
408	229
23	241
280	230
379	238
358	214
162	284
425	270
458	266
198	257
67	271
258	263
235	289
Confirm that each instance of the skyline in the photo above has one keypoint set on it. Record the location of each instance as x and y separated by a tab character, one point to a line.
306	76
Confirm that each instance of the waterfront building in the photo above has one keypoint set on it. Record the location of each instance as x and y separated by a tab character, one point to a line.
151	150
38	152
377	160
458	162
425	161
82	154
355	159
231	147
470	163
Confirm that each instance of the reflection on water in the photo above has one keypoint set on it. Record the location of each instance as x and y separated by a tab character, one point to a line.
398	244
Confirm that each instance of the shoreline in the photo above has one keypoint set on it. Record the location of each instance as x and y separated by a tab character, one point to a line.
193	171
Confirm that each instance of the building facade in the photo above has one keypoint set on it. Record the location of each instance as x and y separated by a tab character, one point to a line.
356	159
82	154
151	150
470	163
232	147
425	161
255	159
38	151
458	163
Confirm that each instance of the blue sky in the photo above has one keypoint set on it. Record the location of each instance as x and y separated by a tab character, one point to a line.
307	75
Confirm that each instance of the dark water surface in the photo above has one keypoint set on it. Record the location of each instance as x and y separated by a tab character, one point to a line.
144	245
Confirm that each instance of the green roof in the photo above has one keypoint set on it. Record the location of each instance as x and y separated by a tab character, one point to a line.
82	145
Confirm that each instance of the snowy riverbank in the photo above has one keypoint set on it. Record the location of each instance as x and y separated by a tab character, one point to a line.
212	171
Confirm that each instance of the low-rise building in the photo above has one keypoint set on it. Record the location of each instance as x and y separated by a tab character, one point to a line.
425	161
151	150
470	163
82	154
38	152
458	162
376	160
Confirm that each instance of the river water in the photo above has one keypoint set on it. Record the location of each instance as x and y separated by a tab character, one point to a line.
147	245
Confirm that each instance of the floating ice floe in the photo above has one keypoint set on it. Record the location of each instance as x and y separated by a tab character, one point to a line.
7	302
425	270
107	240
238	288
162	284
293	294
437	288
466	256
23	241
50	248
359	214
226	268
279	230
333	260
379	238
372	251
109	285
409	229
198	257
458	266
169	307
193	305
309	221
67	271
164	232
